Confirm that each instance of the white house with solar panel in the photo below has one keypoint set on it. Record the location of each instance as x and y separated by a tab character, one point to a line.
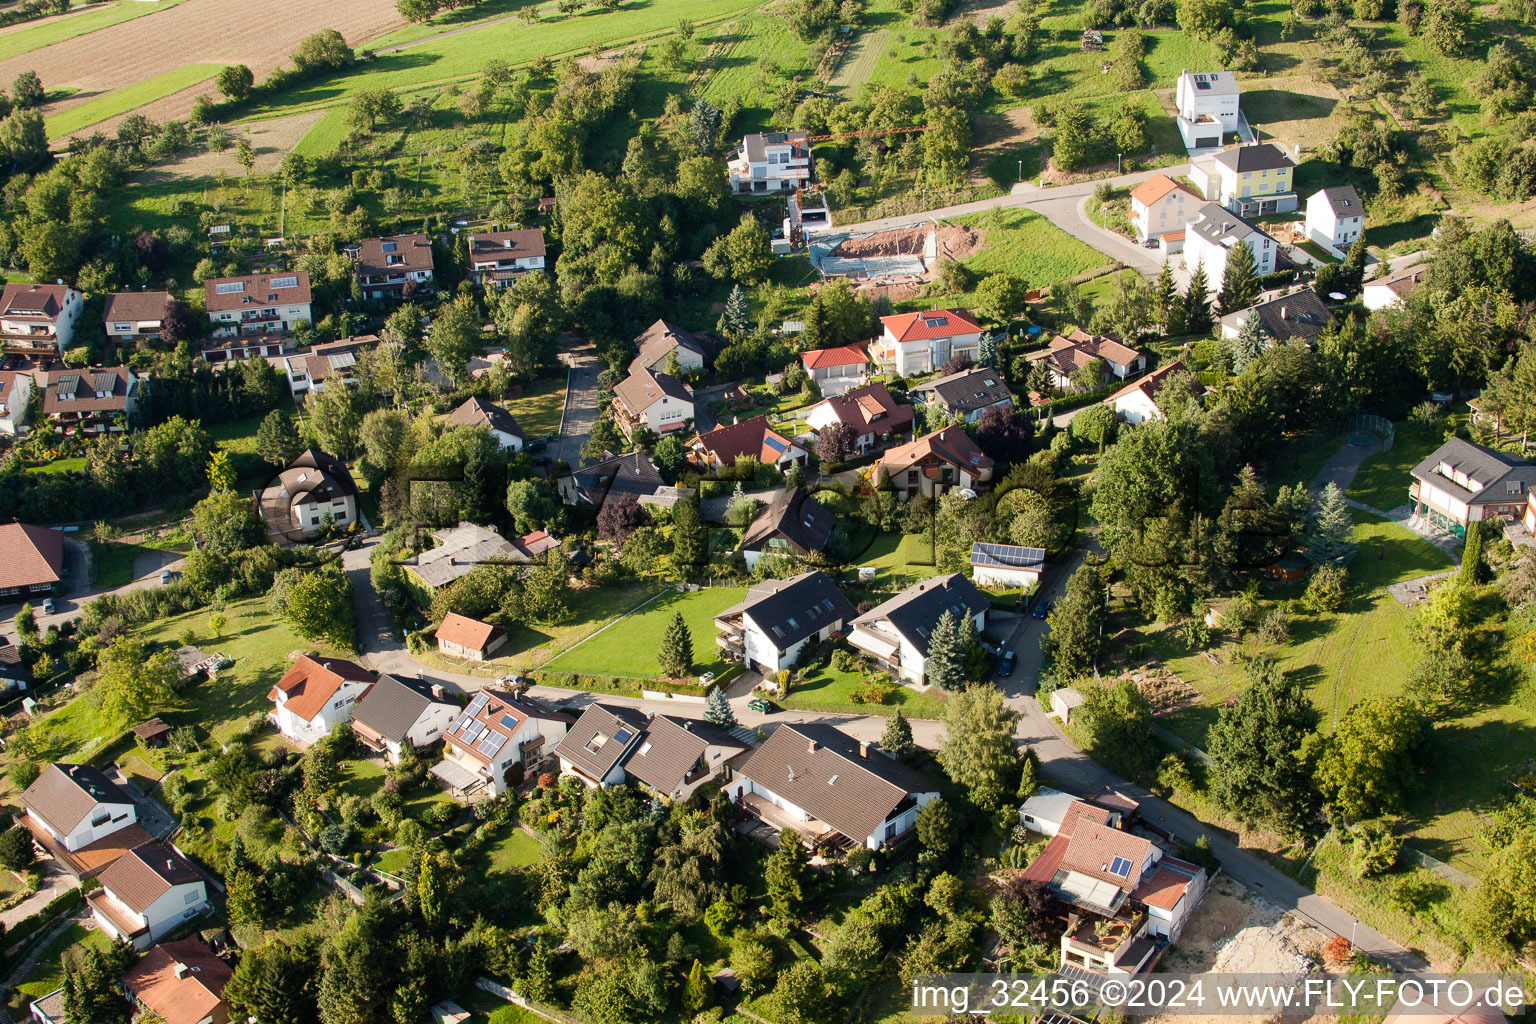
1006	565
1207	102
499	739
257	305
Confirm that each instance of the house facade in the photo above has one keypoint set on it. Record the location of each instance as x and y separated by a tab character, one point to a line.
968	393
393	267
770	162
496	740
316	695
147	893
767	630
1137	402
754	438
794	524
1006	565
870	411
933	465
659	341
501	257
678	755
95	400
477	412
77	804
395	712
315	487
257	310
1208	107
1160	207
895	633
131	316
460	636
15	396
836	370
1335	218
1210	237
918	343
654	401
332	364
1394	289
1462	483
595	747
1250	180
39	319
1069	353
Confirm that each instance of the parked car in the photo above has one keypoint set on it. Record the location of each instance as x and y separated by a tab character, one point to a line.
47	606
165	576
1005	667
762	705
707	680
1042	610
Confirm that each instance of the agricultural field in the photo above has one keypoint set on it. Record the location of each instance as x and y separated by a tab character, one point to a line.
35	35
115	104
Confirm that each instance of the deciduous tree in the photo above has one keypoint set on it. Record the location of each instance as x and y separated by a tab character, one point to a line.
978	751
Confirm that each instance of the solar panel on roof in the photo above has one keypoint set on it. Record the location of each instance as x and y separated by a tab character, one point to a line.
492	744
508	722
473	731
389	247
1120	866
478	704
623	736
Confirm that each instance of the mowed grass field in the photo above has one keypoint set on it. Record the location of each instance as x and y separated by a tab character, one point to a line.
1028	246
124	100
629	647
26	38
538	409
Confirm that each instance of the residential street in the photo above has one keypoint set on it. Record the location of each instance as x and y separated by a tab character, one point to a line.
580	404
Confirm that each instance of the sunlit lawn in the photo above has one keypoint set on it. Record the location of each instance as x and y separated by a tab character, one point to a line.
900	558
629	648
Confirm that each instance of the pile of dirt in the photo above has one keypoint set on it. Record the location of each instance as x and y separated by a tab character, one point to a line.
1162	689
954	242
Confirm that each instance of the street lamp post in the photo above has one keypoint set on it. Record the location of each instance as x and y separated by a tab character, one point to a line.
1021	168
1117	163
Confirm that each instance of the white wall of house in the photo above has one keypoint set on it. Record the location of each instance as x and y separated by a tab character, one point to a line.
520	263
511	752
1379	296
121	329
103	820
1004	576
889	830
763	650
310	515
1136	407
614	777
1193	104
227	322
687	359
178	904
14	413
666	413
928	354
336	710
1329	230
507	442
1448	503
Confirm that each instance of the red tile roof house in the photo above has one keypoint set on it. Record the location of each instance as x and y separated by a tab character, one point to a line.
460	636
754	438
648	400
129	316
253	315
180	982
499	738
934	464
501	257
917	343
1137	401
31	560
393	267
39	319
876	417
1071	352
836	368
148	892
94	400
316	695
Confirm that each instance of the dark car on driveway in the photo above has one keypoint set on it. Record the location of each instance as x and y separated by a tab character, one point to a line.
1042	610
1005	667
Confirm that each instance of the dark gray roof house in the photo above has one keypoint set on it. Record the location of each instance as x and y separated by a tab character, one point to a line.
1474	476
791	610
912	613
1299	316
633	473
1343	200
794	522
596	746
966	391
1260	157
676	752
392	706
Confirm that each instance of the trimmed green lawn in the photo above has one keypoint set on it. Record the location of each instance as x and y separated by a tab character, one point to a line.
1383	478
629	648
538	409
900	557
831	690
114	566
363	778
75	465
1030	247
516	849
123	100
35	37
46	974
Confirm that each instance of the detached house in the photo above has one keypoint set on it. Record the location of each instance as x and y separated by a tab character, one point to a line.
393	267
794	523
650	400
129	316
829	788
15	394
180	983
1069	353
460	636
1207	103
1137	402
1249	180
754	438
1212	234
496	740
918	343
594	748
770	162
477	412
934	464
661	339
771	625
96	400
146	893
31	560
394	712
870	411
1394	289
1160	207
836	370
968	393
76	805
314	487
1462	482
39	319
632	473
501	257
1298	316
462	549
896	632
316	695
253	314
1335	217
327	365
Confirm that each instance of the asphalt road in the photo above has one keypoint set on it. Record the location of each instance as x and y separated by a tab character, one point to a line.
580	404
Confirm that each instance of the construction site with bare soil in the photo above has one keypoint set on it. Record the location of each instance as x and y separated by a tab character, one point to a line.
896	263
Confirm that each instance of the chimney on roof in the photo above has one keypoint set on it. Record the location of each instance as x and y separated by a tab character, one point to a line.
1282	312
180	969
438	692
863	748
811	747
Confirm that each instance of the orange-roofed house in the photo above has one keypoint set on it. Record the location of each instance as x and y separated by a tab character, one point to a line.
1137	402
31	560
914	343
181	983
1069	353
753	438
836	370
460	636
934	464
316	695
1160	207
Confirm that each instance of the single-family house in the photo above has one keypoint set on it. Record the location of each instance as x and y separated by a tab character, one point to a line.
396	711
829	787
460	636
15	400
39	319
595	747
1335	217
1393	290
794	523
1251	180
463	548
678	755
1069	353
393	267
754	438
836	370
501	257
1050	810
180	982
257	309
631	473
916	343
870	411
934	464
1212	233
77	804
661	340
497	739
146	893
94	400
1160	207
968	393
1006	565
651	400
334	362
14	673
770	162
895	633
315	695
1297	316
31	560
316	488
770	626
1461	483
1208	107
130	316
477	412
1137	402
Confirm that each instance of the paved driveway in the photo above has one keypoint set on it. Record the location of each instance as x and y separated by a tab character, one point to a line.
580	404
